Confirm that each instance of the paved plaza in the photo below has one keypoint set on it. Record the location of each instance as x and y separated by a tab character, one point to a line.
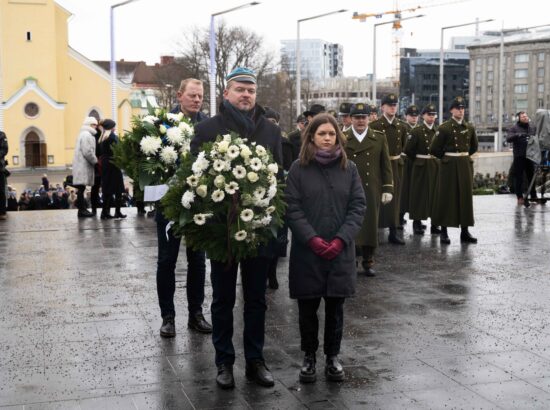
461	326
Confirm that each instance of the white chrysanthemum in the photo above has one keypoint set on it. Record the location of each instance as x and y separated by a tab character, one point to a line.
192	180
259	192
172	117
185	147
245	151
233	152
202	191
247	215
218	195
219	181
187	198
262	203
151	119
222	146
260	150
240	236
201	164
239	171
174	136
273	168
272	179
186	129
256	164
168	155
227	138
232	187
252	177
266	220
150	145
219	165
270	209
272	191
162	129
200	219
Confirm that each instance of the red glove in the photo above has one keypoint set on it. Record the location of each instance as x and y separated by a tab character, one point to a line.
318	245
334	248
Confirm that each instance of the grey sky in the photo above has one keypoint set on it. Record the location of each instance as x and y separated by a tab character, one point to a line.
148	28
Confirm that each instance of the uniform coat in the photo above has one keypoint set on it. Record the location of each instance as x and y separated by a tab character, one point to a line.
84	157
455	187
396	136
325	201
424	172
407	170
373	163
112	181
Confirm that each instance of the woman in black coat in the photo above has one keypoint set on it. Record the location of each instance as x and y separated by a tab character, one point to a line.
112	182
326	206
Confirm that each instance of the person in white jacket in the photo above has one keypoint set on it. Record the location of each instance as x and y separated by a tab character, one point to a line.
83	163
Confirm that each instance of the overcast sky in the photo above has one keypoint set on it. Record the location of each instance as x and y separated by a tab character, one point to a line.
147	29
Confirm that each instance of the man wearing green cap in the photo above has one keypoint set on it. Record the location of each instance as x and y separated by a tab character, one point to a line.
344	116
411	121
454	142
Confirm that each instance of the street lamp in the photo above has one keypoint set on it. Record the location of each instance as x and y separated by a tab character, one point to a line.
441	62
213	53
374	50
113	61
298	74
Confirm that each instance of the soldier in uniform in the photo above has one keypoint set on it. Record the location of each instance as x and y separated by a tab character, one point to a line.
373	116
454	142
396	135
411	120
369	150
293	142
424	171
344	116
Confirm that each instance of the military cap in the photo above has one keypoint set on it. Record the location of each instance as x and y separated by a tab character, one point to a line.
345	108
373	108
458	102
359	109
412	110
300	118
314	110
429	109
271	113
242	75
390	99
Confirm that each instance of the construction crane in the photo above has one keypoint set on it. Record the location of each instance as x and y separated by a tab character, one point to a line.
396	26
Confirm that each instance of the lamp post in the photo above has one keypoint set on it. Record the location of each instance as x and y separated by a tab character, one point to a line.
374	50
441	62
113	61
213	52
298	74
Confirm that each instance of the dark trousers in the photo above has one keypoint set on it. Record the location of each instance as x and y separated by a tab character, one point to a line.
224	283
523	165
108	203
94	197
2	193
309	324
80	201
168	250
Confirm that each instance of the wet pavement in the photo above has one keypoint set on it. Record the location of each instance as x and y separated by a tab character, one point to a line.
461	326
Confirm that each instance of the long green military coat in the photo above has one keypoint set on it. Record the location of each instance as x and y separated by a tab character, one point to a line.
396	136
424	172
455	187
406	181
373	163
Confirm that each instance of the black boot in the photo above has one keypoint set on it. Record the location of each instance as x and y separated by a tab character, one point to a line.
140	205
392	238
106	210
417	228
118	203
444	237
225	378
168	327
307	372
257	371
466	237
334	370
434	230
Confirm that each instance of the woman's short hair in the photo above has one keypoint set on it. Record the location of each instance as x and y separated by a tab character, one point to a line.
308	149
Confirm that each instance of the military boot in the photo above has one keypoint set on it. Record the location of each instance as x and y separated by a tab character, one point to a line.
444	236
466	237
417	228
307	372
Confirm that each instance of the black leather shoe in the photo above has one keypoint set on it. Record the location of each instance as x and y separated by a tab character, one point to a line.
85	214
257	371
225	378
444	238
465	237
395	240
423	226
106	216
119	215
272	282
94	211
434	230
168	328
307	372
334	370
198	322
417	228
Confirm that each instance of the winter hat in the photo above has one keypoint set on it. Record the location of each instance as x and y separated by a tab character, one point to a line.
108	124
90	121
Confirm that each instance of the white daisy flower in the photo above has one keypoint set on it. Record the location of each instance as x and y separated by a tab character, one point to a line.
240	236
252	177
259	192
202	191
273	168
168	155
187	198
192	180
200	219
247	215
150	145
174	136
260	150
270	209
218	195
256	164
239	171
219	165
231	188
233	152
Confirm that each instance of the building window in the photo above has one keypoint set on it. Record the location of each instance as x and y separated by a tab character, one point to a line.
540	72
522	58
522	73
15	160
521	88
540	56
478	90
50	159
478	76
31	110
490	61
477	119
479	62
540	103
489	105
490	91
521	105
29	36
490	75
540	88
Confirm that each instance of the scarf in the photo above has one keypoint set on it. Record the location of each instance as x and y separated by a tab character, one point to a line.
325	157
242	119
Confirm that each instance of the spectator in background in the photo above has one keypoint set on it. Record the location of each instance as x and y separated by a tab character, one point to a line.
3	173
45	182
84	162
12	199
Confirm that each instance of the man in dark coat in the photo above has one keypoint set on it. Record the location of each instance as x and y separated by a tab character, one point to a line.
454	142
293	142
396	135
369	150
3	174
411	121
240	113
424	171
519	135
190	96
